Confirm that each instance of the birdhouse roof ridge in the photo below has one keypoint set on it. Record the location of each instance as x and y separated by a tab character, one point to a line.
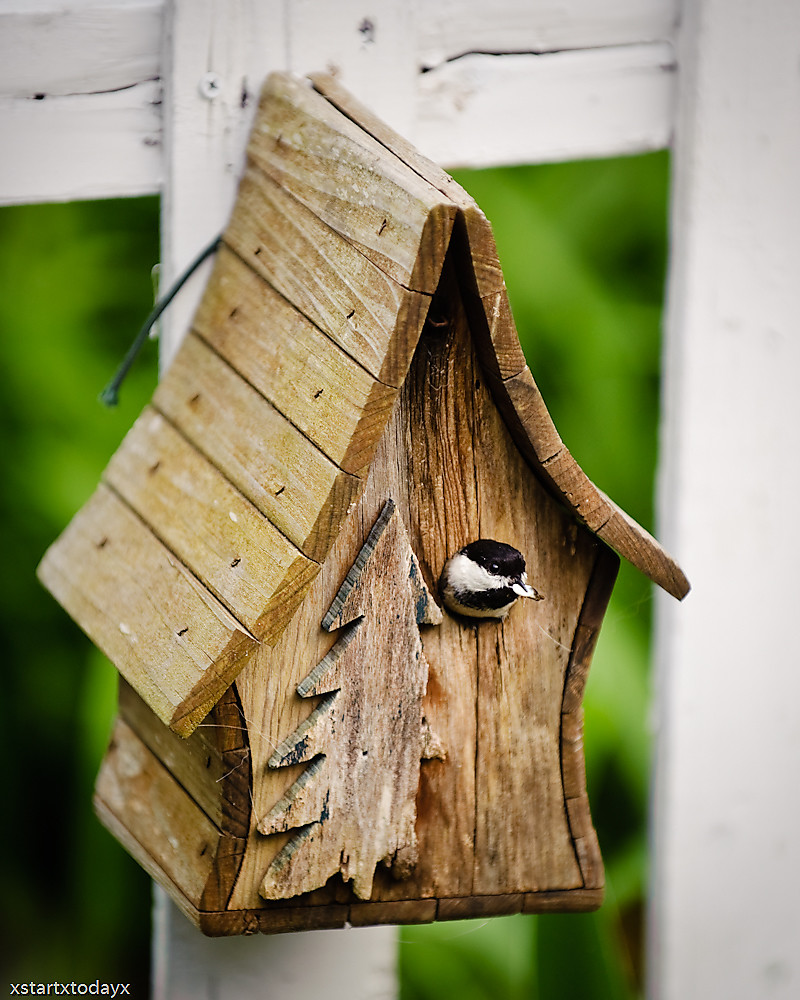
217	512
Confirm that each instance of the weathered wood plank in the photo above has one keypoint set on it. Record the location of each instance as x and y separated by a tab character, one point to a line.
215	531
273	921
463	908
574	901
344	176
478	262
195	762
145	611
229	728
595	604
521	402
229	46
357	804
573	769
212	766
165	829
431	440
301	371
723	911
302	492
480	272
324	276
405	911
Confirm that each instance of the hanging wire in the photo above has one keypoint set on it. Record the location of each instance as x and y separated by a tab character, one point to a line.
110	395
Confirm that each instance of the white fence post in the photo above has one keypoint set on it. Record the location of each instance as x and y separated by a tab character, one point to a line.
725	920
348	964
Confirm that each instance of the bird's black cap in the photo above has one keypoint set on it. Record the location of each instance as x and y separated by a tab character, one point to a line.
496	558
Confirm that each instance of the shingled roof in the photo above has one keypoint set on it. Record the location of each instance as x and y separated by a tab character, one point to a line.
218	509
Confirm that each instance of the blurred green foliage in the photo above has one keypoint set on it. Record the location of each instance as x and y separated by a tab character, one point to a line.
76	285
582	247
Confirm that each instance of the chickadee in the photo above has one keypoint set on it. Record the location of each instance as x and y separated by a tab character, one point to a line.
484	579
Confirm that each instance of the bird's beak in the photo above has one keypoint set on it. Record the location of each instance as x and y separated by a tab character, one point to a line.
526	590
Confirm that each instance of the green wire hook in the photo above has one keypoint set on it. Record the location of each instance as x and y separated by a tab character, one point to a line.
110	395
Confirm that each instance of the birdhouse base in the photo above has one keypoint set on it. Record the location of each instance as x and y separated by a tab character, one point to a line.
141	797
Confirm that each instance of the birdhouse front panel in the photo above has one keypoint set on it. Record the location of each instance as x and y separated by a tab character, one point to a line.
318	723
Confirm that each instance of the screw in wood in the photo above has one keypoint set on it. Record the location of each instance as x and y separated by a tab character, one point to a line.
210	86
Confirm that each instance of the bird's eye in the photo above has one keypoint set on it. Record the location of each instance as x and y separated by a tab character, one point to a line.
494	567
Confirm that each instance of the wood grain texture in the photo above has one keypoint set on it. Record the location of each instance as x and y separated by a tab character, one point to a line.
103	129
316	385
445	803
404	911
327	370
212	766
165	830
342	175
521	661
146	612
195	762
324	276
573	762
229	545
355	804
269	460
283	919
228	727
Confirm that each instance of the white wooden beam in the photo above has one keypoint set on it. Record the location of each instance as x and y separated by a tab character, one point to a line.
342	964
214	59
82	114
725	915
483	110
448	29
80	99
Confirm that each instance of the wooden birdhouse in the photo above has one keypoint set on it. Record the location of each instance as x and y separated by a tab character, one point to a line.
306	736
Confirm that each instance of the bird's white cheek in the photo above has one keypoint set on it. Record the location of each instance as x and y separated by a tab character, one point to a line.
464	574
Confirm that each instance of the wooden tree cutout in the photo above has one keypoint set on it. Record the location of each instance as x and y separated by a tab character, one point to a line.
355	804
